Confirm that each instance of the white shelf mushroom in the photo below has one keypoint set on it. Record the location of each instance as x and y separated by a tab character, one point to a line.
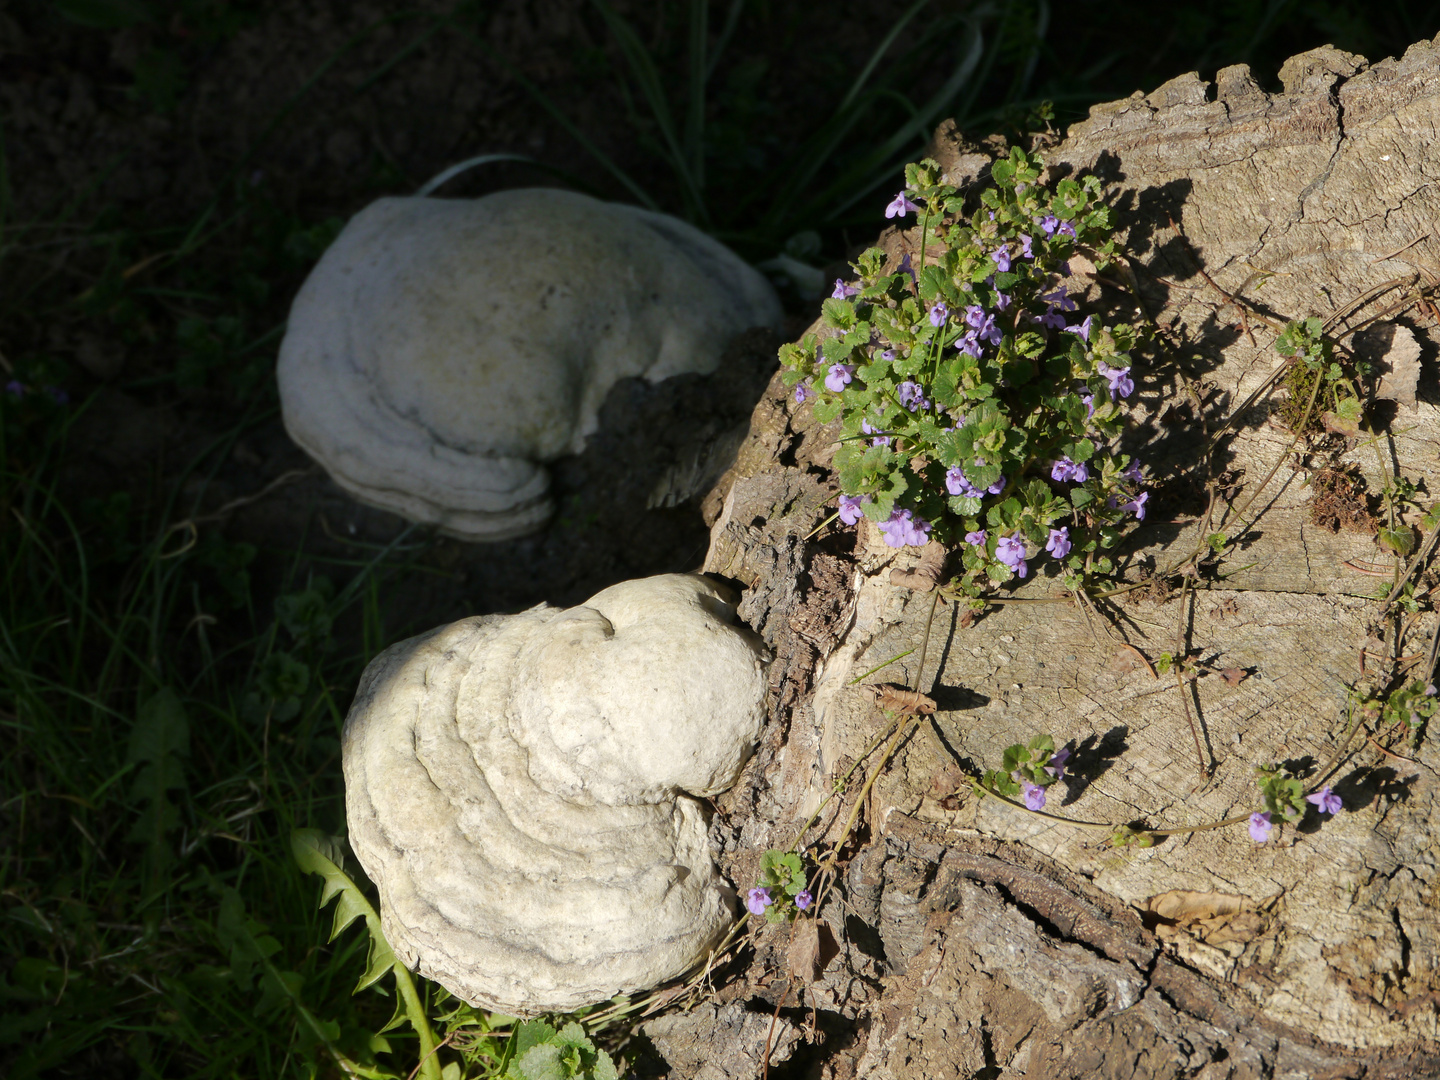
443	350
522	791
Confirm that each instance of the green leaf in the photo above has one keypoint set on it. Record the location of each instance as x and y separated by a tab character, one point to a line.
318	854
540	1062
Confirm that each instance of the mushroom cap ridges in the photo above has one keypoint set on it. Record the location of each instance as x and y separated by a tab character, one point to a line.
443	350
528	872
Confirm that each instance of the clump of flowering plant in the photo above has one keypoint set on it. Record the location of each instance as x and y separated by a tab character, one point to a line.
977	406
1284	799
1027	770
781	892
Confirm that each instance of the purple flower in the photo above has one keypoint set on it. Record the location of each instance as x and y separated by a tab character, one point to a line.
939	313
976	538
1132	471
1056	768
1059	543
1001	257
957	484
907	267
850	511
888	355
1002	301
1260	827
983	324
1326	800
879	440
15	388
912	396
905	529
900	206
997	487
757	900
1060	298
843	291
839	377
1083	329
1052	319
1089	400
1025	247
1048	224
1011	551
803	899
803	393
1065	469
969	344
1137	505
1119	378
1034	795
1066	228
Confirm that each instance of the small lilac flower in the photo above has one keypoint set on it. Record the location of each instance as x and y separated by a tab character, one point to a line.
912	396
1060	298
803	393
986	330
1052	319
1034	795
1137	505
1119	379
969	344
905	529
757	900
957	484
60	397
1001	257
1065	469
907	267
1260	827
1002	301
1326	800
1083	330
843	291
1025	243
975	316
1059	543
1056	768
1066	228
1048	224
879	440
803	899
839	377
888	355
997	487
1089	400
15	388
1011	551
977	538
1132	471
900	206
850	511
939	313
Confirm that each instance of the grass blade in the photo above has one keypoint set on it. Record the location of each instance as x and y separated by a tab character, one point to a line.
695	106
642	67
442	178
558	115
879	54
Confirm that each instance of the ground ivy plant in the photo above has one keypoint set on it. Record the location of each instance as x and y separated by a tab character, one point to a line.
977	407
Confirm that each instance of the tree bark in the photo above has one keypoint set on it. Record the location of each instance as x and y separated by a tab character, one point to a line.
973	939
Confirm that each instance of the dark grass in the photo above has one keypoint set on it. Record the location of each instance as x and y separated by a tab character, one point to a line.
171	697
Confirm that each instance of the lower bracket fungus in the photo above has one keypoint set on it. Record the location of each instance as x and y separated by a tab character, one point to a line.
444	350
523	790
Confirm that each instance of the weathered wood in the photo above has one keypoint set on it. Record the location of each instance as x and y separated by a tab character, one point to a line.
976	937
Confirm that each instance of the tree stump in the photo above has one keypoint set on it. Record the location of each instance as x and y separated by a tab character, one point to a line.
965	937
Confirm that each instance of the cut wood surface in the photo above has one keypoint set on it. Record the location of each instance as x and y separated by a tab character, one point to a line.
975	938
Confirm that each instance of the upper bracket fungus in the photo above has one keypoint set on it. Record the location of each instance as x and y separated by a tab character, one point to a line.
443	350
522	791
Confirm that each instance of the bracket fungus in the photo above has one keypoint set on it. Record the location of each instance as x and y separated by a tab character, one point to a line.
443	350
522	789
